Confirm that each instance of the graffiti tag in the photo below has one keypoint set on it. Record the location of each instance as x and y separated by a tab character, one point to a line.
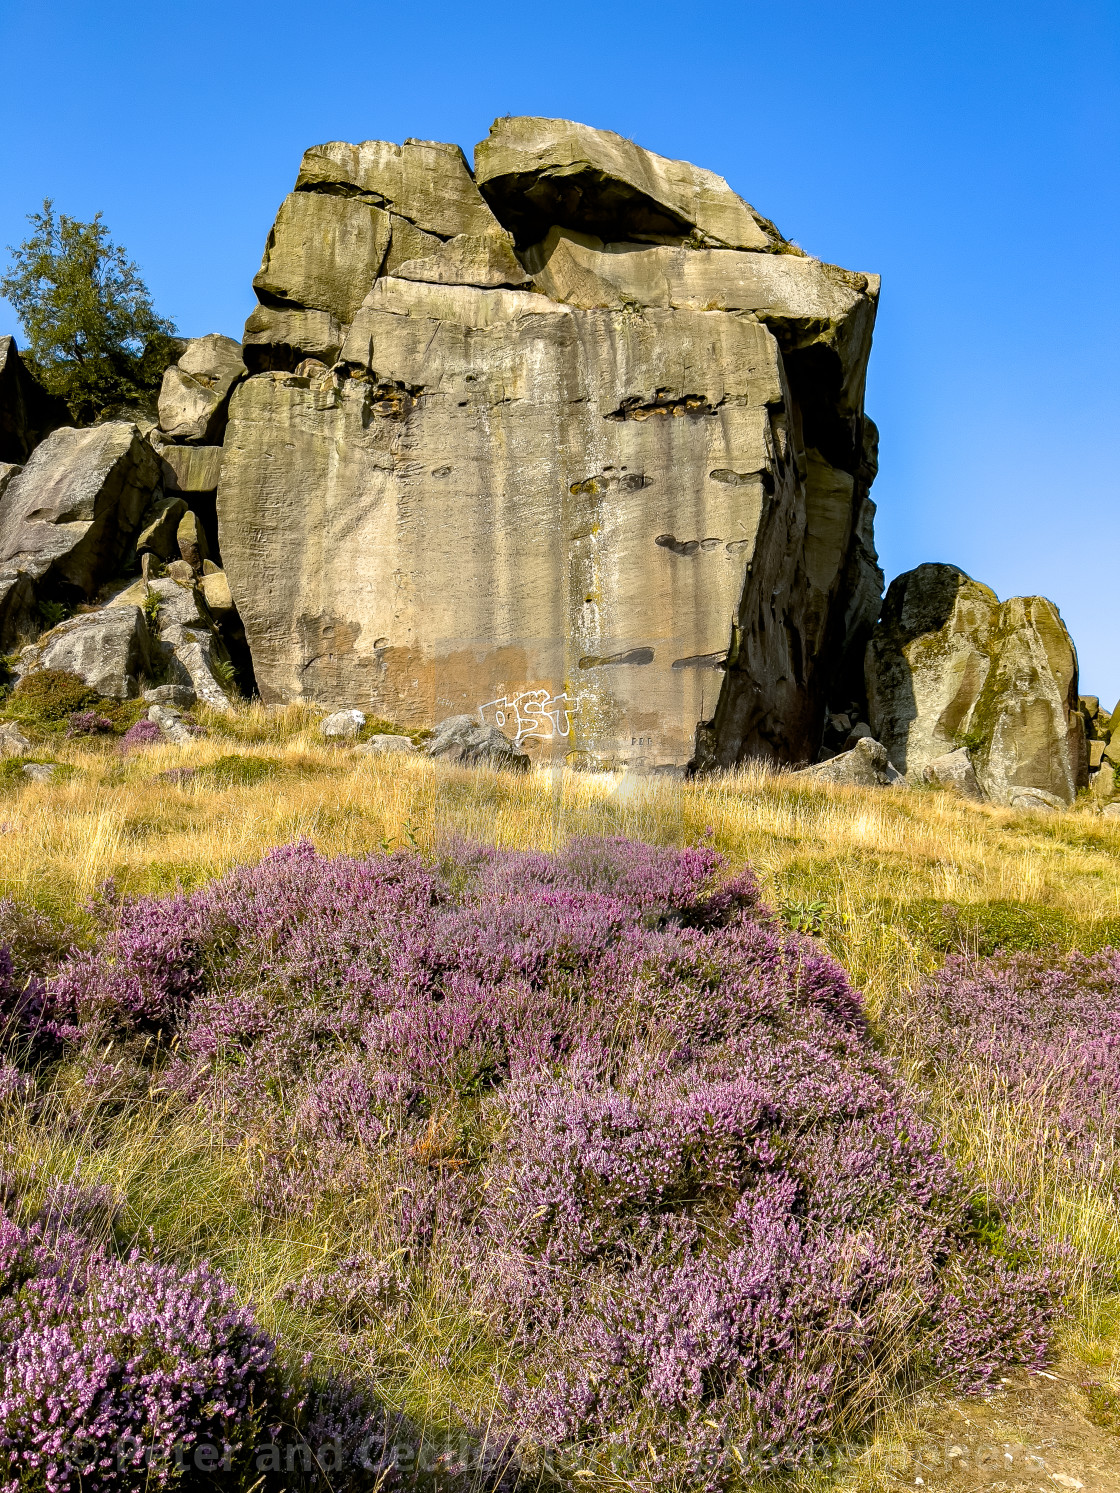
532	713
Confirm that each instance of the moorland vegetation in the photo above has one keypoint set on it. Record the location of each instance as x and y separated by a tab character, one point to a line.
606	1131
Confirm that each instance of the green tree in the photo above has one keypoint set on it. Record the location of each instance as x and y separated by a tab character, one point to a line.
93	335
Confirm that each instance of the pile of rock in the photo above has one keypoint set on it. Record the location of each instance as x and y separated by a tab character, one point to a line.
90	505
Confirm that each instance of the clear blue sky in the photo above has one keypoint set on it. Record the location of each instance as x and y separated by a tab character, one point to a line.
969	153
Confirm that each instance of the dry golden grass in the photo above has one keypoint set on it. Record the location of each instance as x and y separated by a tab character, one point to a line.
868	857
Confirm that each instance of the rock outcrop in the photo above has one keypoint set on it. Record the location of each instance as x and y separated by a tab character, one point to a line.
68	518
581	454
950	666
28	413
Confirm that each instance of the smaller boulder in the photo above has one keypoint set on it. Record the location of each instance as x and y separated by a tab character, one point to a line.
1037	800
190	468
8	470
181	572
109	649
1111	811
39	772
1102	784
389	744
343	725
195	393
857	733
161	523
178	696
171	723
191	540
13	743
461	740
215	588
865	766
955	770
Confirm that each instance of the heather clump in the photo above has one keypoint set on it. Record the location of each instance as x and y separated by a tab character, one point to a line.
89	723
1024	1052
601	1109
115	1369
143	733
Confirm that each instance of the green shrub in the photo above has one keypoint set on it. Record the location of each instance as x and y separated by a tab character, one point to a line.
378	726
50	696
238	770
46	699
12	774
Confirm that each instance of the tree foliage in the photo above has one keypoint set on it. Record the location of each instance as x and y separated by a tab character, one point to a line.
93	335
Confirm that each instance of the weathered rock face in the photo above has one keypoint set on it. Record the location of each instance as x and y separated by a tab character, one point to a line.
952	666
607	494
28	413
67	519
537	172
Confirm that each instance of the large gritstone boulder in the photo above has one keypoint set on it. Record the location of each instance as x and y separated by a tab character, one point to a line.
462	741
28	413
109	649
67	519
608	495
866	765
950	666
195	392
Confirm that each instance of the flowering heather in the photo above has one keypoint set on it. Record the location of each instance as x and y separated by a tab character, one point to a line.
107	1364
89	723
1039	1034
143	733
606	1105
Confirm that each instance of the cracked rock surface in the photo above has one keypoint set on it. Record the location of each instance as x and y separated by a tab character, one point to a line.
573	445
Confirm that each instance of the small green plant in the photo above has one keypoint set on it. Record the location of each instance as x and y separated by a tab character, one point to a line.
151	605
225	673
52	612
406	840
1104	1407
804	917
972	740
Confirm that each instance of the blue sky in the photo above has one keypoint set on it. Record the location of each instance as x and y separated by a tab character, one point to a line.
969	153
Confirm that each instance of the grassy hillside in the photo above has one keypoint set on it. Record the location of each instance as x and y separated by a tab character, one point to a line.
891	883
